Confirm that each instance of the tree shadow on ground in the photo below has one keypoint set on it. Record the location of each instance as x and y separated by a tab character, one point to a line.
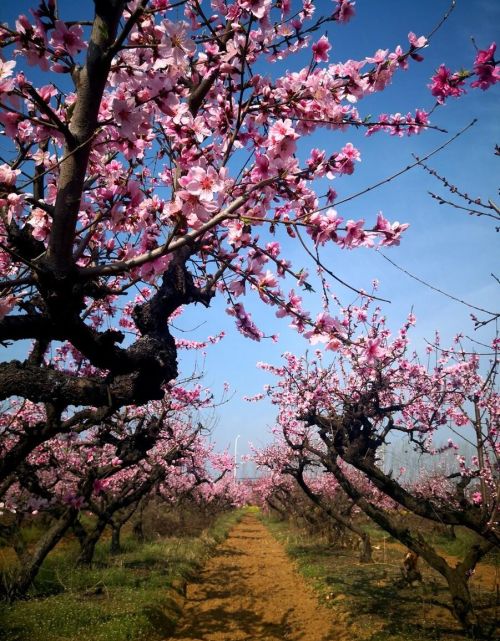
422	612
244	621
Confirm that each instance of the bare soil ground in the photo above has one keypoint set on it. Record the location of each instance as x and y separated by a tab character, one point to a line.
369	600
251	591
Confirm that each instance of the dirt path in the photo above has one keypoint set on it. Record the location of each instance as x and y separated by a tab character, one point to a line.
250	591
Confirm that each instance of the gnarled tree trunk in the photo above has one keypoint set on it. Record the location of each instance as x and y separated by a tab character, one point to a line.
31	562
87	546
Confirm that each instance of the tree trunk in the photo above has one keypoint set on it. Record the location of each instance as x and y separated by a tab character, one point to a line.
137	527
115	547
276	508
79	532
366	547
456	577
87	548
365	555
461	599
31	563
138	530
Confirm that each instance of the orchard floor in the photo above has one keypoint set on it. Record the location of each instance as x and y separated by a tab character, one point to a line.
250	591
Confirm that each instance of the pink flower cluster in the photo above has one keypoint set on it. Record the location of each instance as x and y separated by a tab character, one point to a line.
446	84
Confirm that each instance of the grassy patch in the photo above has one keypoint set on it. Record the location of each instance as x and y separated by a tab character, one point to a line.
135	595
368	599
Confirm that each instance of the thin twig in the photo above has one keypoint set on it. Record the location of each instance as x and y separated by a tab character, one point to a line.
436	289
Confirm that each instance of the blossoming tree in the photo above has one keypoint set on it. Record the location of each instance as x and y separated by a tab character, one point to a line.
375	390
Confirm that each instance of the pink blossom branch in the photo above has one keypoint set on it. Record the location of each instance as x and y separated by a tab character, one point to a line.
170	247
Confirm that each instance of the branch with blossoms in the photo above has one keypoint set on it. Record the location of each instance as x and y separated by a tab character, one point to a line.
486	72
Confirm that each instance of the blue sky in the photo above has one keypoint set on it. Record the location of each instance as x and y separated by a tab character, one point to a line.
447	248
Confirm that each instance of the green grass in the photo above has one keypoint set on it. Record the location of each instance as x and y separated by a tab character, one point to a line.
134	595
368	599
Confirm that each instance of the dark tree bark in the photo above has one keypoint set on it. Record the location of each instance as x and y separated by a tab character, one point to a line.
31	562
79	531
60	290
87	548
115	547
354	439
276	508
138	525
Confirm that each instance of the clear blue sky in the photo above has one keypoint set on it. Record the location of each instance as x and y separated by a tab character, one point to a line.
451	250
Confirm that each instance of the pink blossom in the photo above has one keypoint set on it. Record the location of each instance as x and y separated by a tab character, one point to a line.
485	68
200	128
334	344
238	233
15	203
176	45
6	305
8	176
6	68
325	328
151	270
259	8
202	182
292	307
262	168
445	84
320	50
7	85
322	227
391	232
67	41
100	485
331	195
379	57
344	161
74	501
345	10
350	151
126	116
244	322
373	351
417	123
356	235
418	43
268	280
280	130
40	222
32	43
